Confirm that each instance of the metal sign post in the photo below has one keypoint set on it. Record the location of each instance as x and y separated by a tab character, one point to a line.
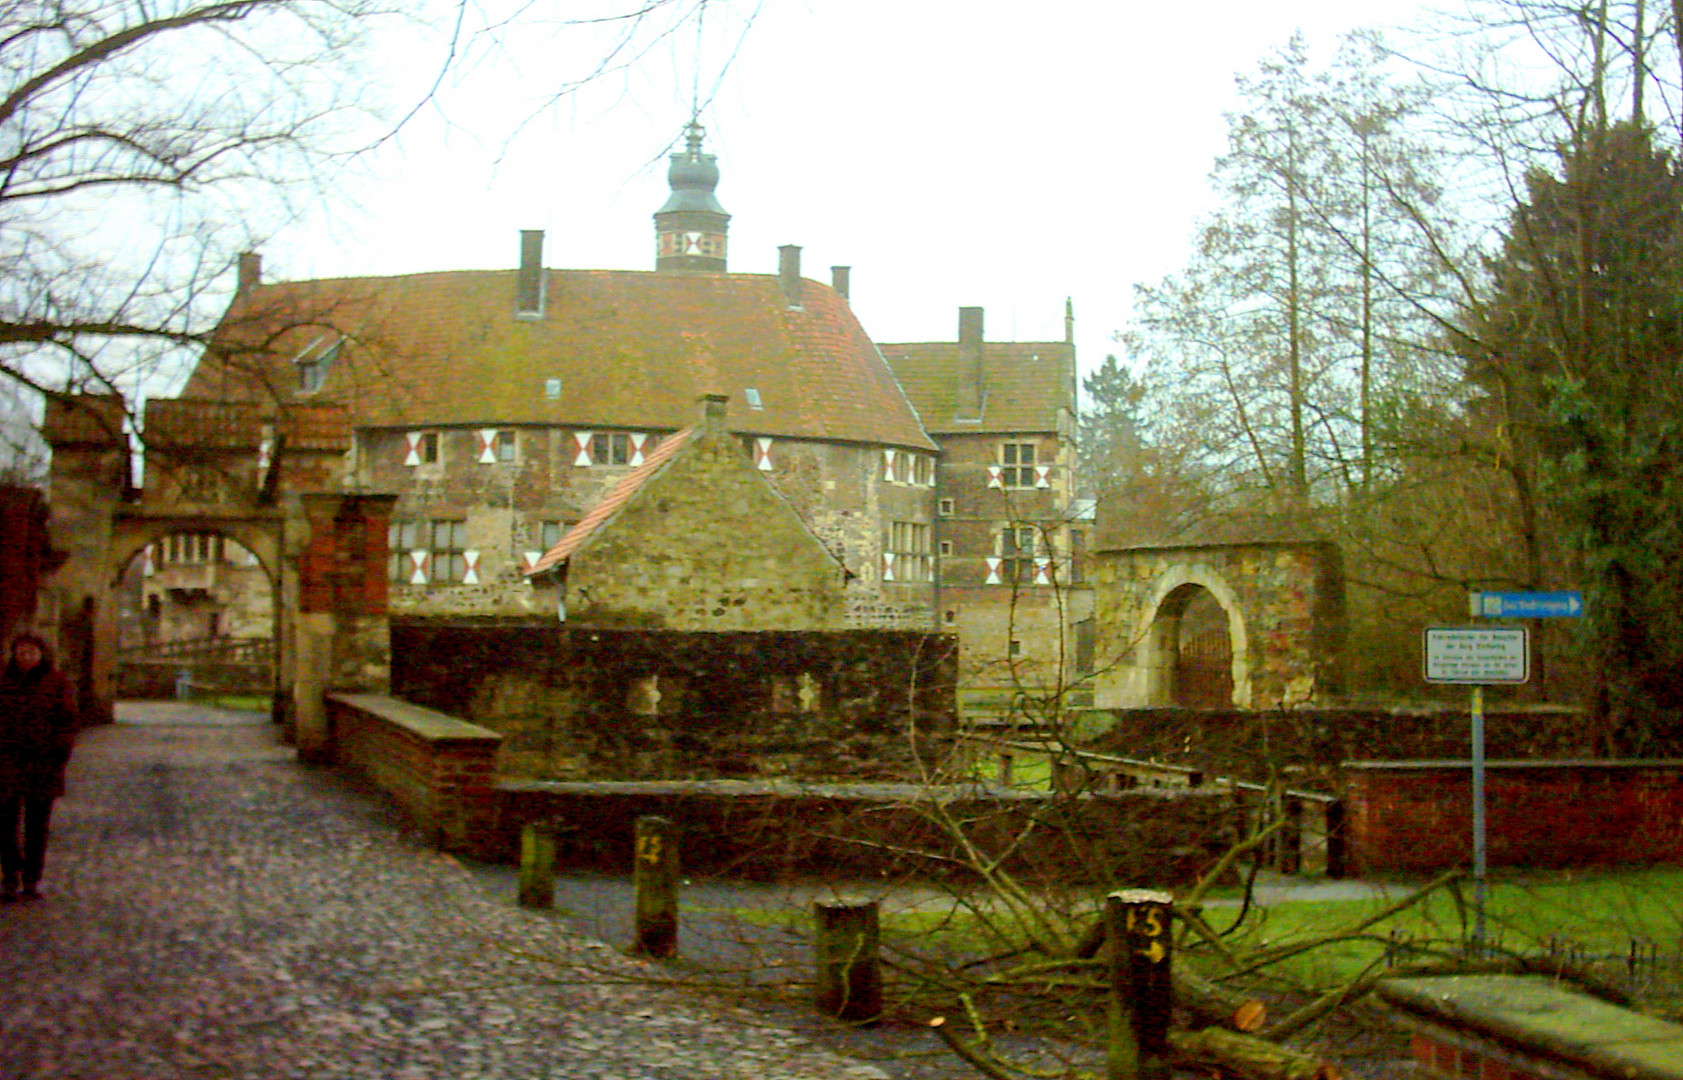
1477	656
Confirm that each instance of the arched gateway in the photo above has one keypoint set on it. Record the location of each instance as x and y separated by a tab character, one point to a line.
1234	625
216	469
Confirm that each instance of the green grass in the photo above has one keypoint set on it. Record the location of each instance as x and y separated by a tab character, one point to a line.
1600	912
242	702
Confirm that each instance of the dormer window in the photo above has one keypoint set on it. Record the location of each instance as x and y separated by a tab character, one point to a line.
753	397
314	362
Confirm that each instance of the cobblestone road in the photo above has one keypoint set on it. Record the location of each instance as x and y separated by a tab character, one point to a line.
215	911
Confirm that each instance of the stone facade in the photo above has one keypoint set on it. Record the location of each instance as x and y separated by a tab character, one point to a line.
1283	605
584	702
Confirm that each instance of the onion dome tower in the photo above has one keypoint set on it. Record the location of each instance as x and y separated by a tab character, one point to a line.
690	229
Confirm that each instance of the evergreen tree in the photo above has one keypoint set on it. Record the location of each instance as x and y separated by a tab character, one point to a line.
1580	347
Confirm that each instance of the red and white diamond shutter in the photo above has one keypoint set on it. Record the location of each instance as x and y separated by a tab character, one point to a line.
762	453
888	566
996	477
412	444
638	438
581	440
419	561
1043	571
993	562
470	568
888	457
487	440
1043	476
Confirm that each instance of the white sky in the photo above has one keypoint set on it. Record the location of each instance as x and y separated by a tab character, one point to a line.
986	153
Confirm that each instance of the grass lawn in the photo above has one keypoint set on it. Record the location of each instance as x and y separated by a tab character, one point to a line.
1594	914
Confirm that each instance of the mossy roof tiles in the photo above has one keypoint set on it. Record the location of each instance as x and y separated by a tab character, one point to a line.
1025	384
633	350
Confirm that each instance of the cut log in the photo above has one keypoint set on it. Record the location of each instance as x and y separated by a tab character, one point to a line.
1248	1056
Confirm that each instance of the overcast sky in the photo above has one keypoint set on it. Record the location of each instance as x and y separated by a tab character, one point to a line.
993	154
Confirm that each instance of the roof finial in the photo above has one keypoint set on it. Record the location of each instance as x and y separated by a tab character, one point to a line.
693	135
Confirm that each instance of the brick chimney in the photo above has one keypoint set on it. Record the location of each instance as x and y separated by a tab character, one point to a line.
529	283
841	279
250	273
972	394
789	273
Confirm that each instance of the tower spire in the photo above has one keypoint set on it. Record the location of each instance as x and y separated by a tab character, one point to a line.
691	228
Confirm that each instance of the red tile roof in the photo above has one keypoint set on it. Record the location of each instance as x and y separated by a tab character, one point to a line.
238	426
633	349
602	512
1026	384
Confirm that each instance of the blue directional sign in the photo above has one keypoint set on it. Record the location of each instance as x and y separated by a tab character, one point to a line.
1526	605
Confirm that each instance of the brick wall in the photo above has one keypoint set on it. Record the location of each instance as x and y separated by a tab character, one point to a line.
1417	816
439	769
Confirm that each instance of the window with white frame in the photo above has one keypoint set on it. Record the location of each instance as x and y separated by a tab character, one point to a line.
449	540
610	448
402	537
502	445
908	542
1017	547
1016	461
923	470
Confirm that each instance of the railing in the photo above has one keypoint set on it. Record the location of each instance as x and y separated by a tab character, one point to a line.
202	650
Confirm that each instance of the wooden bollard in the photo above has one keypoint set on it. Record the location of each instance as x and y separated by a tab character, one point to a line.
1139	958
849	977
537	865
655	877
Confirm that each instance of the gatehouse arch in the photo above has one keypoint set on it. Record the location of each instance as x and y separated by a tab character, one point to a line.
1218	626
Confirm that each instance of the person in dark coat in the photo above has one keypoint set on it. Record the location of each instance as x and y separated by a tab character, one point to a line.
37	730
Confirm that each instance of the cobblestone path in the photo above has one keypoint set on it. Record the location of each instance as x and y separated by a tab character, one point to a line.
215	911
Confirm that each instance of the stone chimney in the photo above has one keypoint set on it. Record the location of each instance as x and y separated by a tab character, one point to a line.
250	273
841	279
789	273
713	407
529	283
972	394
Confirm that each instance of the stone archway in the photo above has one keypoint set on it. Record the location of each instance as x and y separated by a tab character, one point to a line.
215	468
199	598
1281	605
1187	603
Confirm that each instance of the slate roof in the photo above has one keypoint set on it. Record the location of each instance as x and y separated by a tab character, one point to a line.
602	512
633	350
1026	384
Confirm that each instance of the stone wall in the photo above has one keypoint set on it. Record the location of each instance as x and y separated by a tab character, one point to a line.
1308	745
597	703
1416	816
438	769
1143	838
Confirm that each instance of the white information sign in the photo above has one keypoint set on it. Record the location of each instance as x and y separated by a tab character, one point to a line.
1477	655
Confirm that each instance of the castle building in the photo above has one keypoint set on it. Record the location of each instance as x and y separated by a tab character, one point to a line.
503	407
